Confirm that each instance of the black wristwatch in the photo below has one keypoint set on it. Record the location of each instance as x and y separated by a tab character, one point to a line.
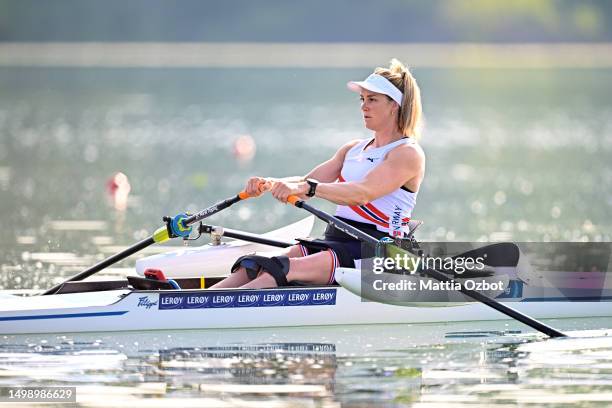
313	187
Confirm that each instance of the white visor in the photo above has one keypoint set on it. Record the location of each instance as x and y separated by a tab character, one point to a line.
379	84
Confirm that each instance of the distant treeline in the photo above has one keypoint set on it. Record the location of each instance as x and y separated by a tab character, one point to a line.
307	20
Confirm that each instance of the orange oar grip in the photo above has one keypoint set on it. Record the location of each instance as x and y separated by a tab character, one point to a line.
293	199
243	195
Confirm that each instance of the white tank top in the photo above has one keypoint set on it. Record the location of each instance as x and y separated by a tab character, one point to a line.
389	213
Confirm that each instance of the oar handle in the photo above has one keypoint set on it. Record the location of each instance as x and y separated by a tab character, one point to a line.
295	200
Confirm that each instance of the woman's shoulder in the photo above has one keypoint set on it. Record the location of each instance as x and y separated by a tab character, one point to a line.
349	145
409	150
355	142
345	148
414	145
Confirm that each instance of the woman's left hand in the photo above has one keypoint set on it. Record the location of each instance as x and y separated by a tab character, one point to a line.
282	190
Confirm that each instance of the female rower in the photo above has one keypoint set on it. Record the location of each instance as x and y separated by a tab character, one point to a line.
374	182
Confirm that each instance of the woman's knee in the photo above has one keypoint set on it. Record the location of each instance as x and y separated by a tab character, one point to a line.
317	268
296	251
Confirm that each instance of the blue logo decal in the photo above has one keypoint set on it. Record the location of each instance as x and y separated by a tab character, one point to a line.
324	298
210	299
171	301
513	291
273	298
299	298
145	302
197	301
248	300
222	299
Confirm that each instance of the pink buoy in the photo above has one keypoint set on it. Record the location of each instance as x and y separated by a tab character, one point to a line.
244	148
118	188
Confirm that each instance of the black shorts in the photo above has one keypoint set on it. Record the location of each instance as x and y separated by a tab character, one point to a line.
343	248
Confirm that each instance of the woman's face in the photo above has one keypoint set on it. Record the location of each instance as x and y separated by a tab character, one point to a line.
379	112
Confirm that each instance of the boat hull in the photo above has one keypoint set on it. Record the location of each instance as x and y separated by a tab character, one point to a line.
124	310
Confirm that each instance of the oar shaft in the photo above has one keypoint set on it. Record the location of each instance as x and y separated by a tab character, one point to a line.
160	235
335	222
221	205
500	307
104	264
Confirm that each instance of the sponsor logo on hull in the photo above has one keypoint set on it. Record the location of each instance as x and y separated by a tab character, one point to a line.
145	302
236	299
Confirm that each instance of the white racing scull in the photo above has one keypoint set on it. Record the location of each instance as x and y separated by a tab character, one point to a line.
118	306
144	304
128	309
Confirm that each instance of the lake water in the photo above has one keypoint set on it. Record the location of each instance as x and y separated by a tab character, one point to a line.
454	364
519	155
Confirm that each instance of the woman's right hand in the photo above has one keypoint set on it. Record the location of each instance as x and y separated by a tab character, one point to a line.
256	186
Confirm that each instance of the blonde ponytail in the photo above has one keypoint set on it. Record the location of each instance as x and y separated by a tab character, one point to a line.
410	117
